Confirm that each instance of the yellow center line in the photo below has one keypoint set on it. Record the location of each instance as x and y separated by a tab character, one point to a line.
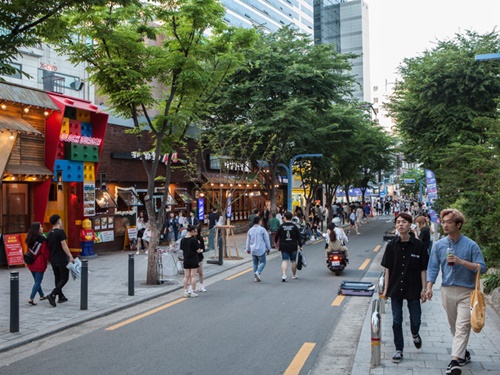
377	248
147	313
365	263
338	301
239	274
300	359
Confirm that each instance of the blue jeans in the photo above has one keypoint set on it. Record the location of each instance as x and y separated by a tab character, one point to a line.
37	286
415	311
259	262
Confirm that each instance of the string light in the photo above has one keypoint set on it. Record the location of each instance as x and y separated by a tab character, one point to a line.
26	109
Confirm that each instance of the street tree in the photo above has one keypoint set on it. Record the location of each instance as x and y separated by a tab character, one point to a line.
276	99
447	113
160	64
20	23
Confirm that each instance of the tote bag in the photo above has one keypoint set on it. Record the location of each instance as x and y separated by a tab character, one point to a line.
477	306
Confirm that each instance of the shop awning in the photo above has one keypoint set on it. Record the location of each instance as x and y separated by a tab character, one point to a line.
184	195
18	94
104	199
170	200
129	197
28	170
17	124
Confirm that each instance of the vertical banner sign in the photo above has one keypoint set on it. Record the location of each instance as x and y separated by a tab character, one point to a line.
432	193
88	200
228	210
13	249
201	209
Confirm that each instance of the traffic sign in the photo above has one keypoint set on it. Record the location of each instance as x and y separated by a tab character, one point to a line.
409	181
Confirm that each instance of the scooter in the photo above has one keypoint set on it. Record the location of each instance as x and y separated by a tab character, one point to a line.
303	230
336	261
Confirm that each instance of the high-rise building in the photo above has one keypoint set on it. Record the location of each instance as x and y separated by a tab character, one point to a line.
270	14
345	24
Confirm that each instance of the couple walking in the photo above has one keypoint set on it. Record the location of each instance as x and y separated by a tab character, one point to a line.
259	245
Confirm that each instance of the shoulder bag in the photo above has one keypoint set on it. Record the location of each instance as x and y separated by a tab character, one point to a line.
477	306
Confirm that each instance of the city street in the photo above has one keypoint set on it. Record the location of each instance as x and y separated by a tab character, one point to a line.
237	327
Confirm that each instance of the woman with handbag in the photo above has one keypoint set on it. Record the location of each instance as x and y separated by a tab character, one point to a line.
37	245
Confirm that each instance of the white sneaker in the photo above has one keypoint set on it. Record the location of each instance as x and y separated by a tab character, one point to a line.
202	289
294	277
283	278
137	253
146	252
186	294
193	294
257	276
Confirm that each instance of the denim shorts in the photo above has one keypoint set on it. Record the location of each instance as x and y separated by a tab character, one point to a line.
291	256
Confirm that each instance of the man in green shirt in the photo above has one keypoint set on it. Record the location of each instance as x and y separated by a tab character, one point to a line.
274	224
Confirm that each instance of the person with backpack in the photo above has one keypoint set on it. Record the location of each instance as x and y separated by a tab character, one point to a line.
37	245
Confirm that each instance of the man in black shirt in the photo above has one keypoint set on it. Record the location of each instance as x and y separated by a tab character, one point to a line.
405	260
212	221
288	236
60	256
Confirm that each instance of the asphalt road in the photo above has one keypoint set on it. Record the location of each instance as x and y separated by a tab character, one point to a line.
237	327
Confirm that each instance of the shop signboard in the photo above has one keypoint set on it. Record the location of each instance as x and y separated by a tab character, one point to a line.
88	200
13	249
104	236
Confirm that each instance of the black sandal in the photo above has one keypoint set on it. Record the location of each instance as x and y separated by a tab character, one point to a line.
31	302
43	298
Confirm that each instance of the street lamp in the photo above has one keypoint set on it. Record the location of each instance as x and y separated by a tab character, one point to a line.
290	174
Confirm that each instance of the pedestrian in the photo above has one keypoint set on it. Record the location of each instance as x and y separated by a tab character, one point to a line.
212	221
360	213
265	217
171	228
424	232
325	214
368	210
37	244
141	228
274	224
458	257
181	221
258	245
192	220
190	249
353	222
288	236
60	256
201	242
405	261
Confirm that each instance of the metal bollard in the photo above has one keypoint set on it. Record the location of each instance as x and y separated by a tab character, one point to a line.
84	286
131	274
381	286
14	301
376	330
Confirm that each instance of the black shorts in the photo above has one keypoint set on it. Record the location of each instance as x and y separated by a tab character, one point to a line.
140	233
191	264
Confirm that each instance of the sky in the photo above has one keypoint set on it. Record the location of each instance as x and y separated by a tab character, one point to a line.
404	28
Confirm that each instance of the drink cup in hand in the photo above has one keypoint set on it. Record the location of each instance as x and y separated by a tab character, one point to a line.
450	252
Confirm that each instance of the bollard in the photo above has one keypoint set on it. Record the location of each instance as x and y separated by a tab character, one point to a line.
14	301
381	286
84	286
131	274
376	329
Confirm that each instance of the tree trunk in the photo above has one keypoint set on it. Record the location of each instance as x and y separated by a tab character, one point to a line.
153	276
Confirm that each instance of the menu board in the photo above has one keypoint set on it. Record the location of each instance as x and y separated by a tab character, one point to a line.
13	249
88	200
104	236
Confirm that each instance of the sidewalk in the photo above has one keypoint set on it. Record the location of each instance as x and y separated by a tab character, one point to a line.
107	293
435	353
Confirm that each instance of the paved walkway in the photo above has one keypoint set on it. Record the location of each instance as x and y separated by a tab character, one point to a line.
108	292
435	353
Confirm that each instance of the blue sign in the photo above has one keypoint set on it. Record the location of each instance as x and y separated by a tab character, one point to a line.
382	194
409	180
201	209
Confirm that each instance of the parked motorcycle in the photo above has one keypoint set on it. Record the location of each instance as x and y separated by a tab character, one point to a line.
304	231
336	261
